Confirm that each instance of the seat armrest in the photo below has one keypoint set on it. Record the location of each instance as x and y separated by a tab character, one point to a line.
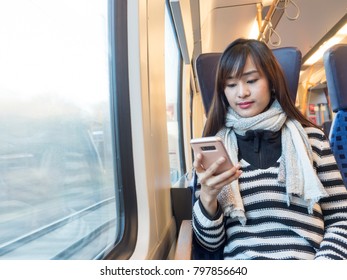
184	241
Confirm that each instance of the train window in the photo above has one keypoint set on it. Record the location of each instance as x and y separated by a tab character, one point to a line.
173	66
57	174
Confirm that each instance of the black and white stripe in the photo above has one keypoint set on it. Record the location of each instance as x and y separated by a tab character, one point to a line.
274	229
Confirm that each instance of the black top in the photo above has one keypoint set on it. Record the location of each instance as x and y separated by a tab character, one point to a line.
260	148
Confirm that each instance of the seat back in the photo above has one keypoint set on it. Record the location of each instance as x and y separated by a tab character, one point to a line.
289	59
206	69
206	66
335	63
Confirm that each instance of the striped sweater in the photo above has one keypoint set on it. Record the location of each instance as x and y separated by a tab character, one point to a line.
275	230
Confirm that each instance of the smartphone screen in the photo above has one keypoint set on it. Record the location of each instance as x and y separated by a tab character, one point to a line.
211	148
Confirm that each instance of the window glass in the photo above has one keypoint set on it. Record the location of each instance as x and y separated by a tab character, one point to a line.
172	89
57	178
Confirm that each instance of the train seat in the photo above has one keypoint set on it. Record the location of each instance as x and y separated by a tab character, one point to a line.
289	59
335	63
206	65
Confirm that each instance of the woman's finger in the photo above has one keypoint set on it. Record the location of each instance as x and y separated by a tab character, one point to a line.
221	180
197	164
214	167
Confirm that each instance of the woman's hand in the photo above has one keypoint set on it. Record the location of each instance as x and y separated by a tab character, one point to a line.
211	184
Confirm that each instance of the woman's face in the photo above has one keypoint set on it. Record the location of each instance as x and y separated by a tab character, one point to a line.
250	95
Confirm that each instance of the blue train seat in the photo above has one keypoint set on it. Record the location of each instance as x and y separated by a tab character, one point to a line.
335	63
206	66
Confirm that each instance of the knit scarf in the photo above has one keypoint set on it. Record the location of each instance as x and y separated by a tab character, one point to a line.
296	170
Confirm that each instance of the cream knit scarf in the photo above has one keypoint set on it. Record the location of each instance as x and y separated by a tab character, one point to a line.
296	170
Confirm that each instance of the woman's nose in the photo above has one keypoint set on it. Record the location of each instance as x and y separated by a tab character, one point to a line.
243	90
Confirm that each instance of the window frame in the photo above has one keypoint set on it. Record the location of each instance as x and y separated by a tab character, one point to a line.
179	101
122	141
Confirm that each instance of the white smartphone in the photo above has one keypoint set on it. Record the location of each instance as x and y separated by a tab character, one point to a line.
211	148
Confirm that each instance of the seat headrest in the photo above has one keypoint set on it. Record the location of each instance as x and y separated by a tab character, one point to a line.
289	59
335	64
206	67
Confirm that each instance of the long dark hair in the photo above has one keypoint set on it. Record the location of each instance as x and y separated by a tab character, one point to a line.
233	61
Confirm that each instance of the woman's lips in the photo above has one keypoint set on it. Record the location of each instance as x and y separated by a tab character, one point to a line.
245	105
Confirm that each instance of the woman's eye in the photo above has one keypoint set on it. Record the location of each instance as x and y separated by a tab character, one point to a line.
231	85
252	81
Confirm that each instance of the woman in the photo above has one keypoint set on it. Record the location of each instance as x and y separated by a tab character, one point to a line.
285	198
